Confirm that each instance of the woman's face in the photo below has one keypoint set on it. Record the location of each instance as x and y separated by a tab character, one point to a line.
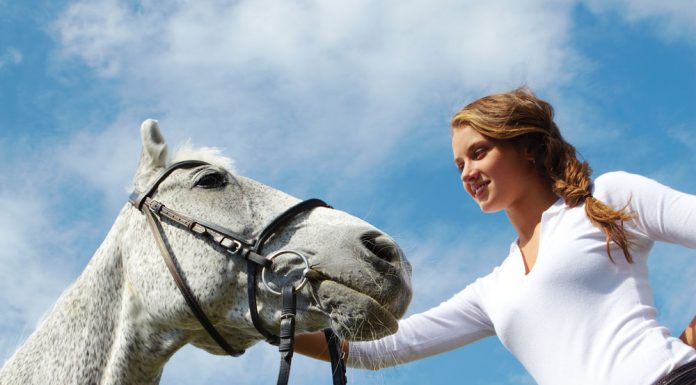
495	173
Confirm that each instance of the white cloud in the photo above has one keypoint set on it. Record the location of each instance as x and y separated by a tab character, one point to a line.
32	274
282	82
41	250
104	160
12	56
684	135
672	18
15	55
96	32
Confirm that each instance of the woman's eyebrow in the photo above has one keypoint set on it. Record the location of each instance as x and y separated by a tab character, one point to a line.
475	145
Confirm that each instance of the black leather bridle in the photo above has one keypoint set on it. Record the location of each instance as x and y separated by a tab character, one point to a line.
250	250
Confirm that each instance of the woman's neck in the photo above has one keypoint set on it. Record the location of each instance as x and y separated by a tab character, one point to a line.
525	215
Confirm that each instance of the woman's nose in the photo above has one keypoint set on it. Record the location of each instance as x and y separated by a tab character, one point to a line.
469	174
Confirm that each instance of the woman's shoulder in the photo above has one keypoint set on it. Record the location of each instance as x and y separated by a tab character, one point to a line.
617	176
620	181
617	188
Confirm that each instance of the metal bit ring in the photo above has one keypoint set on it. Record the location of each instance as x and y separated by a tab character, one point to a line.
303	281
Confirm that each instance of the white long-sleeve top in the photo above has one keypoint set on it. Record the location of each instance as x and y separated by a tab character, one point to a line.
576	318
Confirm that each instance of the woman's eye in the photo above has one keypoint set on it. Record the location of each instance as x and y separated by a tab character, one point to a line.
211	180
479	153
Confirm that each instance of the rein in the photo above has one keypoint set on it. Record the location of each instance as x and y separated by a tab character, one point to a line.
249	249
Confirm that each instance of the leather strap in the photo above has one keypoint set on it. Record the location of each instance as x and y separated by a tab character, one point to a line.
249	250
184	289
338	365
683	375
287	333
290	213
253	310
228	239
252	268
137	198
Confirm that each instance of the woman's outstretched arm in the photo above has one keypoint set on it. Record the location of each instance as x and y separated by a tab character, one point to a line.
314	345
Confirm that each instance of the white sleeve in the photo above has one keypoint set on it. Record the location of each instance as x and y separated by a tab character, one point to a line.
454	323
661	213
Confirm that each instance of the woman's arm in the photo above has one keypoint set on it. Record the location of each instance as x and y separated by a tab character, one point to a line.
660	212
314	345
663	214
459	321
451	324
689	334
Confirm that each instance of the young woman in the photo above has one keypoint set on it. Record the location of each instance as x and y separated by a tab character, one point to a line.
572	300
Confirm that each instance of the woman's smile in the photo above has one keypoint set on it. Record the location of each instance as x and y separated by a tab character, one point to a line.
479	189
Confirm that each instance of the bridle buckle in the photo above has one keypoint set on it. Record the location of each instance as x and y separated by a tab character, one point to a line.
232	245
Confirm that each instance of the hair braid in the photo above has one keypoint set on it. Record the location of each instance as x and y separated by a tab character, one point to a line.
528	122
575	187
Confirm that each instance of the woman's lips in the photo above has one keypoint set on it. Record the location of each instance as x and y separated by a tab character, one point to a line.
479	188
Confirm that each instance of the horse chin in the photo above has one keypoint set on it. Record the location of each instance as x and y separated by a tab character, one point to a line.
209	348
236	339
355	316
208	345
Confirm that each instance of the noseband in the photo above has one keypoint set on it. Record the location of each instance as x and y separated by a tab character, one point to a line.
251	251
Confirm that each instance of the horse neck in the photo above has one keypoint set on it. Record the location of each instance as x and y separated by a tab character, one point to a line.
93	334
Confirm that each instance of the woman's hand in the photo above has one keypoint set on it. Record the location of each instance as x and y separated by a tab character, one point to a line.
689	334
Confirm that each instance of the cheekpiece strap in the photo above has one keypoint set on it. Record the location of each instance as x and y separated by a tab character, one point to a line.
338	365
287	333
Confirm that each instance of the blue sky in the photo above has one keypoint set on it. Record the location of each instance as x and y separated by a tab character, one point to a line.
344	101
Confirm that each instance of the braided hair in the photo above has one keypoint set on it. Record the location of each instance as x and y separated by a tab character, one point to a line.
527	121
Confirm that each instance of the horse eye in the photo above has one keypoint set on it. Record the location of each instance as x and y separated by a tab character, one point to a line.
211	180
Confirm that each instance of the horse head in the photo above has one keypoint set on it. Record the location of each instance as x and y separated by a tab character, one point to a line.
357	279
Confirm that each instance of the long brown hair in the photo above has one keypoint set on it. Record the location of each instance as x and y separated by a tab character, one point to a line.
527	121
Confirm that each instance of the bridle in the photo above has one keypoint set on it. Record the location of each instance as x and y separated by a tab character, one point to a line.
251	251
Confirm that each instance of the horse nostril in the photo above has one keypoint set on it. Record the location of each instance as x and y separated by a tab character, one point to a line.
381	245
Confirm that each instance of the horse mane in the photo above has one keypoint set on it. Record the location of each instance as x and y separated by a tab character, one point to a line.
211	155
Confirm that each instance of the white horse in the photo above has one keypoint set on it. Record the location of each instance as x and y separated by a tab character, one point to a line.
123	318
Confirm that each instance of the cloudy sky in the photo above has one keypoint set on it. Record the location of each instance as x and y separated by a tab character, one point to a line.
348	101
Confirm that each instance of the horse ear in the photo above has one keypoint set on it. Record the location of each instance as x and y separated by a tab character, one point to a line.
153	156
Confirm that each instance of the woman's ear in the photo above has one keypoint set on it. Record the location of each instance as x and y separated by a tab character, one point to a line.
531	152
